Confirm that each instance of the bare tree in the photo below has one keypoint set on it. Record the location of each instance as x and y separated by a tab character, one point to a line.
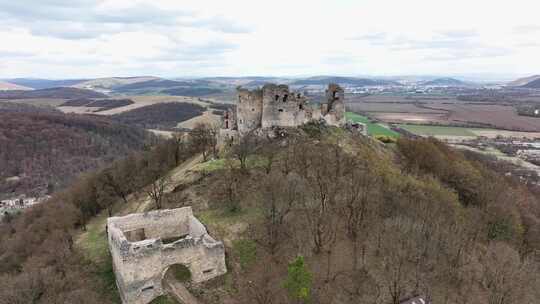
203	139
279	195
156	190
246	146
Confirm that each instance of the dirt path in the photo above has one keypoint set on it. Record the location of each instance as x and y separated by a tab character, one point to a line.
177	175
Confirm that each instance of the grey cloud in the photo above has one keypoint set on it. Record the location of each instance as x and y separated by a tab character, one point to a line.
458	34
451	44
337	59
222	24
372	37
477	53
201	52
87	20
526	29
14	54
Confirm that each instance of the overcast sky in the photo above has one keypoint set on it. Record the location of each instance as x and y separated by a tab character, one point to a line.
181	38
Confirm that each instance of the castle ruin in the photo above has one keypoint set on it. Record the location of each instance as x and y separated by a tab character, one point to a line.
145	245
276	106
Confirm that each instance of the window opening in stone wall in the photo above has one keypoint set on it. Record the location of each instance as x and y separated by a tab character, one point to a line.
280	110
334	94
285	98
277	97
147	288
301	107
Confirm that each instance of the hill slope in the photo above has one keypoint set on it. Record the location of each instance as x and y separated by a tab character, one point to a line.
112	82
535	84
8	86
523	81
450	82
37	84
61	92
161	115
324	80
46	149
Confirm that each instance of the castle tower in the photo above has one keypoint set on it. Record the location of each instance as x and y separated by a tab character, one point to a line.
249	110
334	110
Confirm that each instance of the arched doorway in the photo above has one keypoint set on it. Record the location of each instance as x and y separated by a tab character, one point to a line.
177	272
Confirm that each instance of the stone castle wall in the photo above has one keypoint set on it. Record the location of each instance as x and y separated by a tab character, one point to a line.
277	106
249	109
140	265
282	108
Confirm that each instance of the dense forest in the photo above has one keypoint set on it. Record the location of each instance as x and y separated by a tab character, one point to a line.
316	215
102	104
43	150
161	115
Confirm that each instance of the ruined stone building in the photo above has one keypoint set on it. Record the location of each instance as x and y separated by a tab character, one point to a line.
145	245
276	106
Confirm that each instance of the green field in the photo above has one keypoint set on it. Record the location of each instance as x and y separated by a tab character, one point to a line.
374	129
437	130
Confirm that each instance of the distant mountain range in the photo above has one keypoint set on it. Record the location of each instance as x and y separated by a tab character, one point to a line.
210	86
535	84
8	86
324	80
37	83
59	93
446	82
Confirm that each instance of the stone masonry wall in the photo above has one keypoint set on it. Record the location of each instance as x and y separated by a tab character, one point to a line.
140	266
249	110
282	107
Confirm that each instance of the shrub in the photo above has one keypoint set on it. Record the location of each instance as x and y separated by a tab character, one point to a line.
299	280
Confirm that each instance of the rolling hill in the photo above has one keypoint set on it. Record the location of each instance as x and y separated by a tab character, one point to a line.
112	82
8	86
324	80
535	84
38	84
45	149
61	93
523	81
446	82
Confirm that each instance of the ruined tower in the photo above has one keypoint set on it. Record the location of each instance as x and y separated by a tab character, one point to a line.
333	111
249	110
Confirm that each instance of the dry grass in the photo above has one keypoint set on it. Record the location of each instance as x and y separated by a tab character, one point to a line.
207	118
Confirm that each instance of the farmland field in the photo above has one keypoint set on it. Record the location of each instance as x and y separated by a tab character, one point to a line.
374	129
425	130
444	110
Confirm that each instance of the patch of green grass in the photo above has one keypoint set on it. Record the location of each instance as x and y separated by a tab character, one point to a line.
165	299
94	246
211	165
180	272
373	129
253	161
246	251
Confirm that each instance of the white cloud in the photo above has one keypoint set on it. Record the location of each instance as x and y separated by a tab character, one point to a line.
87	38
